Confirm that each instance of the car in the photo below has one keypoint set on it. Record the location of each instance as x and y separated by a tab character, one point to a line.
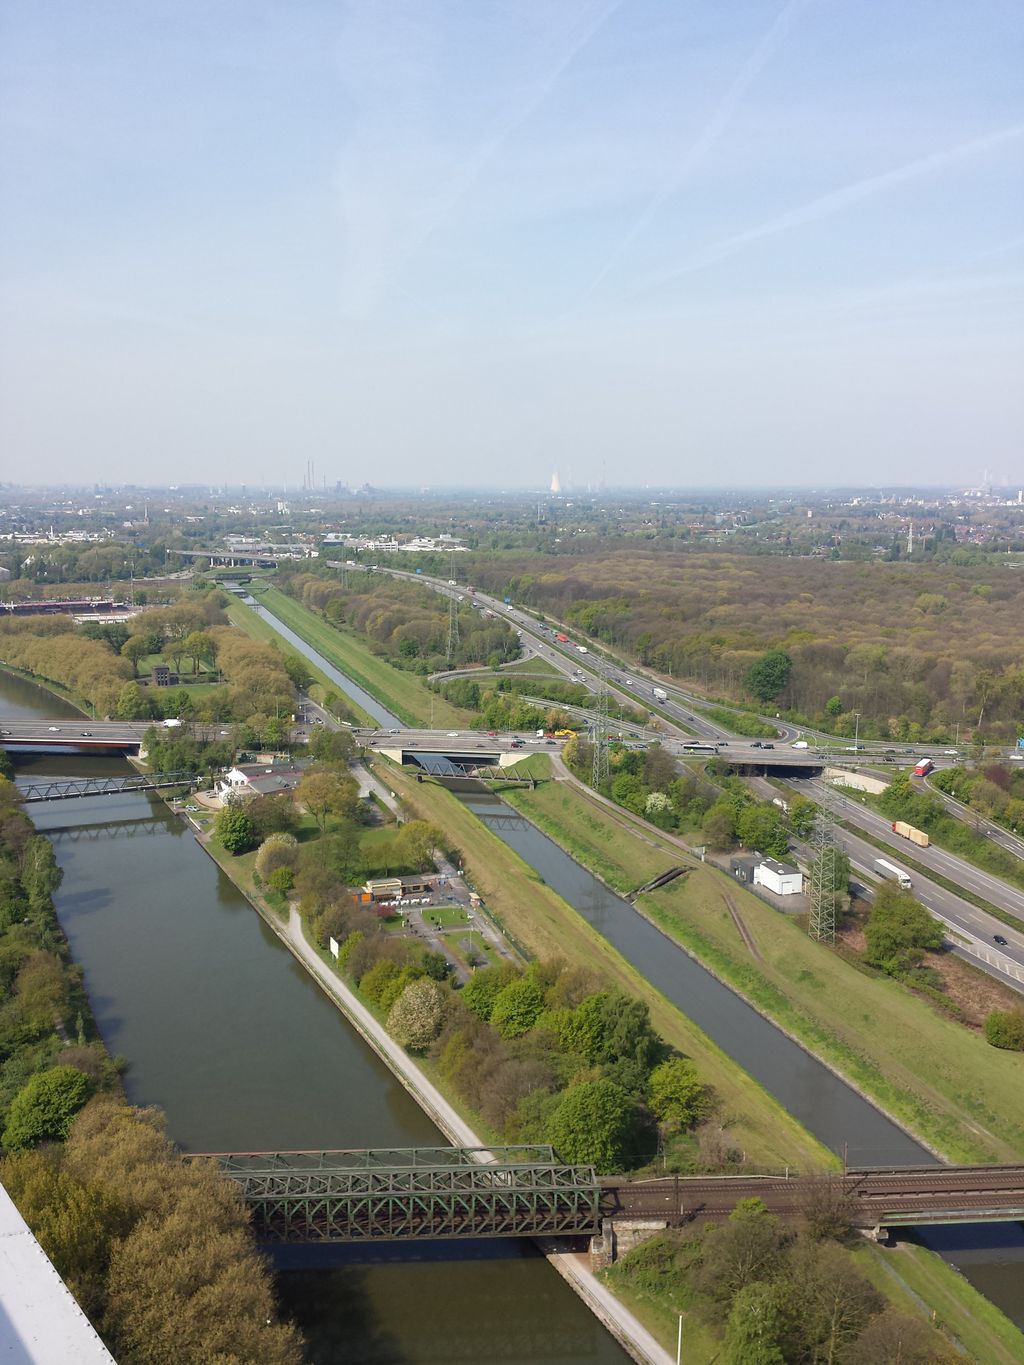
629	682
5	732
394	732
998	938
54	729
950	753
453	734
767	746
492	734
551	741
908	751
86	734
756	744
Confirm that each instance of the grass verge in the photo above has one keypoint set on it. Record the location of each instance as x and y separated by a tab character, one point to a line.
404	693
937	1077
911	1275
548	927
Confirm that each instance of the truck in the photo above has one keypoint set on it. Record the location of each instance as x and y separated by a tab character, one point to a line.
171	724
924	768
660	694
892	873
562	639
905	831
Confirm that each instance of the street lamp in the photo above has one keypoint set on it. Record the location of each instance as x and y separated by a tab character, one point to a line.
856	731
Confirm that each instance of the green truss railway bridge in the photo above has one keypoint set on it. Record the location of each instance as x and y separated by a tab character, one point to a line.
431	1193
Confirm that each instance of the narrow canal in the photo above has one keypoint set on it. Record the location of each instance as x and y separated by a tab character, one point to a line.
990	1256
226	1033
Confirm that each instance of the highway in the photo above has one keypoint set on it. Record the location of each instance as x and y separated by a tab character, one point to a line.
1013	843
948	865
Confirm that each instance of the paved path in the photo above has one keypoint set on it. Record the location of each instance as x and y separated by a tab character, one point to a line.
572	1267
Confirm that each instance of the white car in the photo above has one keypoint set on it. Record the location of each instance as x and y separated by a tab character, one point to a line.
54	729
453	734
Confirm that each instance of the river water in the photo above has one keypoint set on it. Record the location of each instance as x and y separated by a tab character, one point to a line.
234	1041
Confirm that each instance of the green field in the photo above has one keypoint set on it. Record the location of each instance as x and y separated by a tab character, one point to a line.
536	917
937	1077
404	693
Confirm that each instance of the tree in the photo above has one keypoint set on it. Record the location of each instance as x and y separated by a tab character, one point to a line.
719	828
892	1338
76	1222
200	647
282	879
484	987
756	1326
834	706
416	1016
41	874
276	851
418	840
132	703
802	813
1005	1029
899	930
677	1094
830	1302
740	1252
330	747
766	678
760	827
45	1106
234	829
594	1125
328	793
517	1007
628	1033
135	649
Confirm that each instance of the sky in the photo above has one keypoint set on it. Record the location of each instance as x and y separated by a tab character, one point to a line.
437	242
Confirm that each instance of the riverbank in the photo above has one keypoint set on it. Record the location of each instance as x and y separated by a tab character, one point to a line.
47	685
933	1076
572	1267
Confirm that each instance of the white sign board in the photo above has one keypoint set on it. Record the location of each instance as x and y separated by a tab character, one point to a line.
332	943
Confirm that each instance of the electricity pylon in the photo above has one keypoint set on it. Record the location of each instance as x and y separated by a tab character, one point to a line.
824	888
599	767
453	626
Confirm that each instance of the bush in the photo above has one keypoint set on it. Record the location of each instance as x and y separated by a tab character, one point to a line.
45	1106
416	1016
277	851
1005	1029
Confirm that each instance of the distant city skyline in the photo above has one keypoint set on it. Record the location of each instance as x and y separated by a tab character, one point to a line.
424	243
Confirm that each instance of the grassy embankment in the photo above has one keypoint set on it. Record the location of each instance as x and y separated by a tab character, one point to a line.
909	1277
402	692
537	918
938	1078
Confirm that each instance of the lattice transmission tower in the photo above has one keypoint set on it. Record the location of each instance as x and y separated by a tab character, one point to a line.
824	886
599	767
453	626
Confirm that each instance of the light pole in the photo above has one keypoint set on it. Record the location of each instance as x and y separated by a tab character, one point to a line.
856	731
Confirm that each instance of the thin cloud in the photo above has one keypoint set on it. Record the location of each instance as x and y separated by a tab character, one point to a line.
830	204
709	135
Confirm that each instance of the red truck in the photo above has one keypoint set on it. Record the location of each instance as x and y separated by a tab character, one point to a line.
924	768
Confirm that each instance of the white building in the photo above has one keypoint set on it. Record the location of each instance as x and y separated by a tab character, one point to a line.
782	878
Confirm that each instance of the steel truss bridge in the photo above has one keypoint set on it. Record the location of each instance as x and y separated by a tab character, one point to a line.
414	1194
61	790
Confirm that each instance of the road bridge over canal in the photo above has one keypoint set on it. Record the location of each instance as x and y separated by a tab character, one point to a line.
453	1192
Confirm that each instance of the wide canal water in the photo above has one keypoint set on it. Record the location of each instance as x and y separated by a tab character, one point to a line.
226	1033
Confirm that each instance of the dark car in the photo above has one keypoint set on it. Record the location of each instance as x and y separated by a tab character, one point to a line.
87	734
767	746
757	744
998	938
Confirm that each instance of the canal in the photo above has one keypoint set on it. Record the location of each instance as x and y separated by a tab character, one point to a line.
990	1256
225	1032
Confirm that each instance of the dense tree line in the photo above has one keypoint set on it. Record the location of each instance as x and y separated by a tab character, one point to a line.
916	649
101	663
405	623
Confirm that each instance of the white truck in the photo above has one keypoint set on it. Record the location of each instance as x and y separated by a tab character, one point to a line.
660	694
892	873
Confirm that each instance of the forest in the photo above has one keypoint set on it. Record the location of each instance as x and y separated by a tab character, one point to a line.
920	651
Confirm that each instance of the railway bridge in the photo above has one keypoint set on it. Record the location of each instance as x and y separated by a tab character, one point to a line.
432	1193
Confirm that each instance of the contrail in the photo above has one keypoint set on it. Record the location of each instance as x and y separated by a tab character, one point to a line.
829	204
720	118
466	174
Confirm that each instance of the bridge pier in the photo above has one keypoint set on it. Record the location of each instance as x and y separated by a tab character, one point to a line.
618	1236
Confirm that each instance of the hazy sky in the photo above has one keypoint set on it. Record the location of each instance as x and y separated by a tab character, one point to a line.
436	241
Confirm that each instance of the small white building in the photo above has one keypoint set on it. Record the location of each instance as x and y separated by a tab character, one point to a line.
782	878
243	783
